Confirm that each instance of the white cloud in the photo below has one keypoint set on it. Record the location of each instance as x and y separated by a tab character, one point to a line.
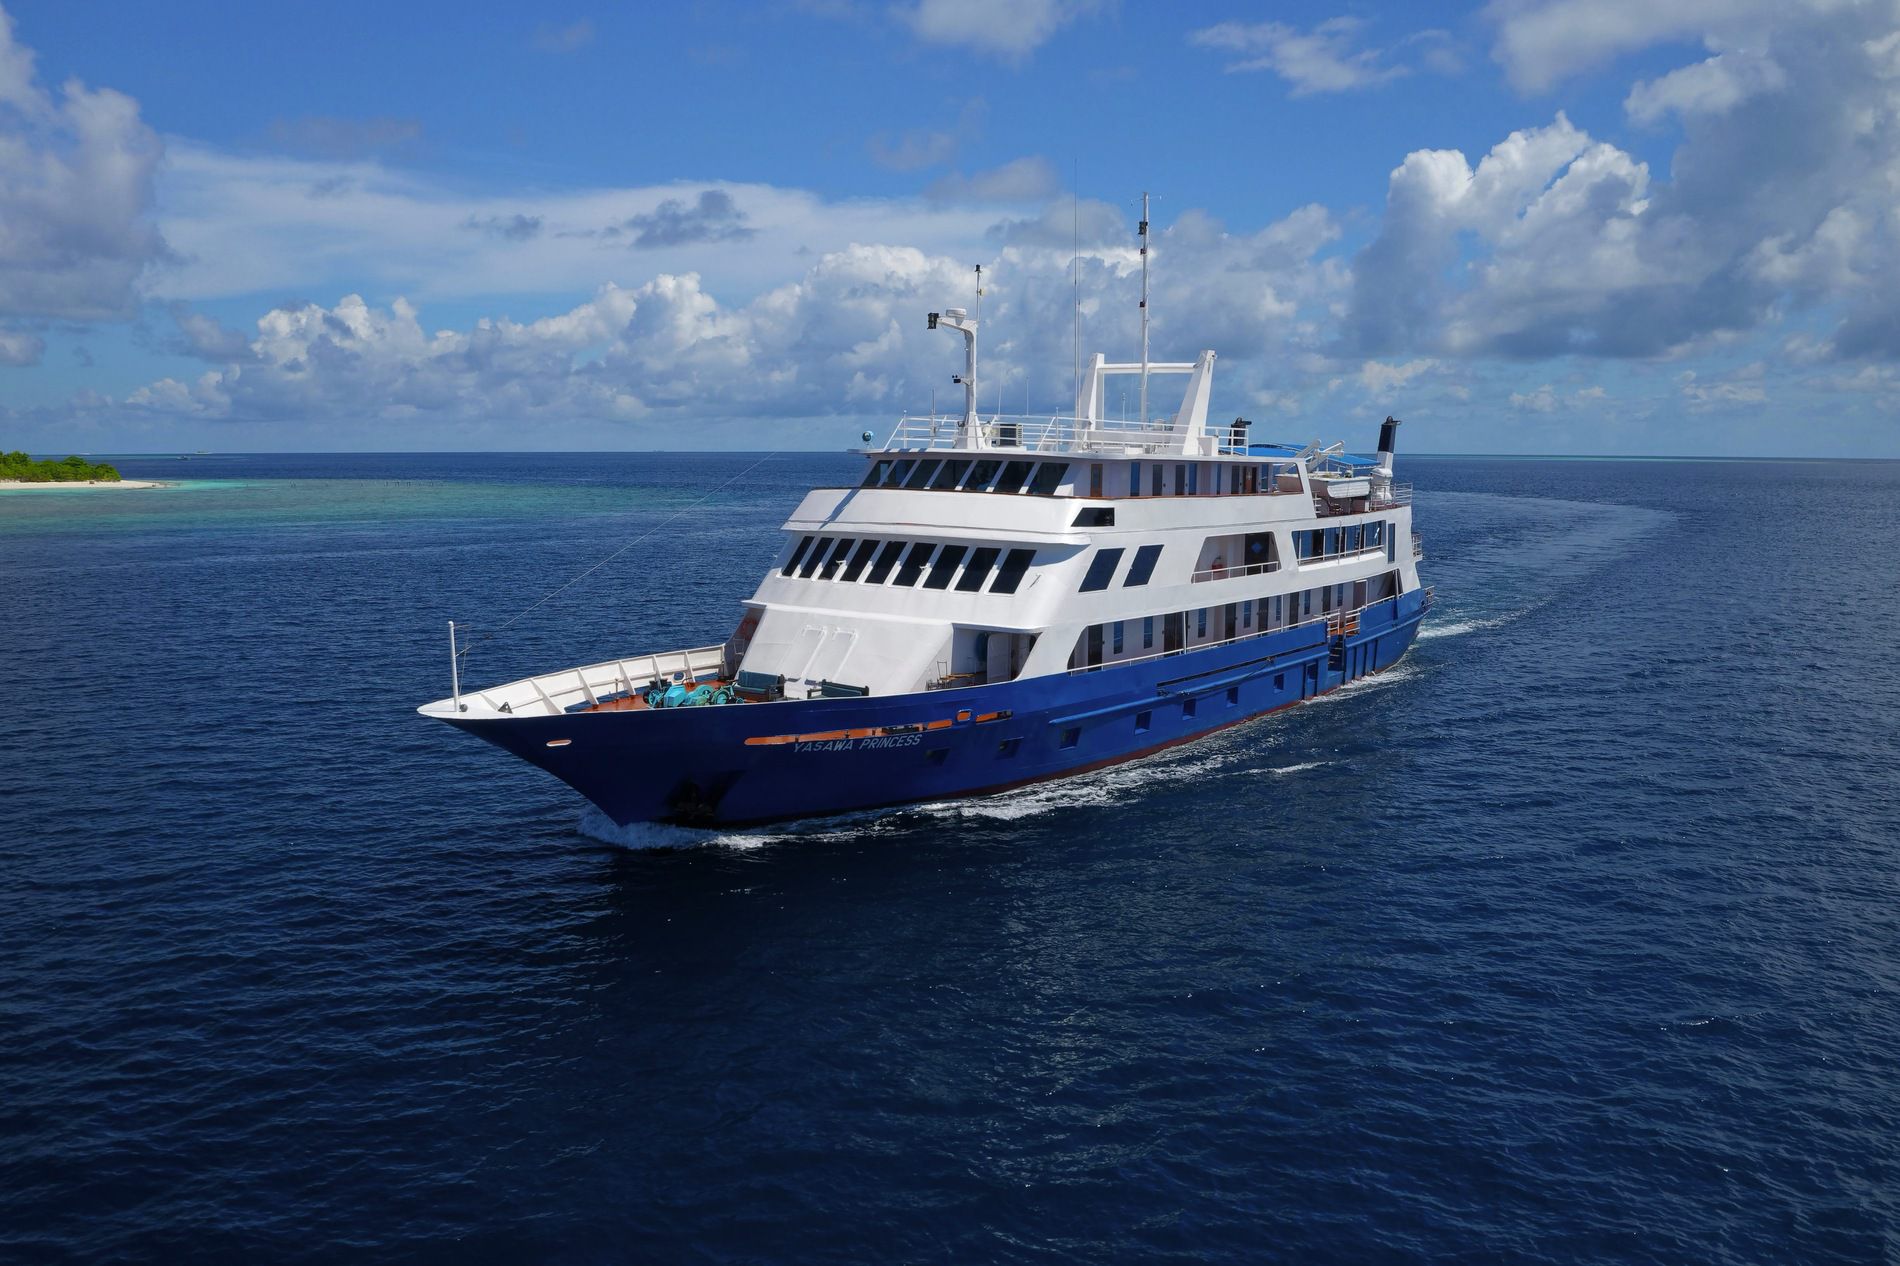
1381	380
19	349
1009	29
1324	59
1541	42
76	180
1742	386
1542	400
1715	86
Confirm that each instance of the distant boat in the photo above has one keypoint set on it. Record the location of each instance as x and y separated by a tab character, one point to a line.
997	601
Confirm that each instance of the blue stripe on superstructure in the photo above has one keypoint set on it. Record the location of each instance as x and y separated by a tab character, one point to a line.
694	765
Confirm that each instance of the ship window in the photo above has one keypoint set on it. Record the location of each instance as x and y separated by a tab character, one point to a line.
1101	570
1094	516
1279	681
937	755
837	558
981	561
945	566
886	559
1116	642
1143	567
875	475
1095	479
1134	479
1233	479
1194	479
866	548
1154	483
1233	695
951	474
1071	736
1147	632
1188	709
1015	475
900	471
1246	614
1010	575
791	564
1142	721
812	559
1048	478
981	474
914	563
920	478
1200	622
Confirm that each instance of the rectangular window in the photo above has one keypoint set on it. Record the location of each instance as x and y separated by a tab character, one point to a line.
812	559
914	563
1094	516
838	555
876	474
981	474
952	474
900	471
1008	747
1233	695
971	581
1134	479
1071	736
1147	632
1101	570
1095	479
1048	478
886	559
1200	622
1010	574
1142	721
1180	480
1015	474
1155	479
1279	681
945	566
1246	614
1233	479
791	564
1143	567
1188	709
1116	641
866	548
920	478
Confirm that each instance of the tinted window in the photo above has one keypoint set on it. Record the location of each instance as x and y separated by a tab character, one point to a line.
921	476
914	563
1048	478
866	548
978	571
945	566
886	559
875	475
951	474
837	559
1101	570
1143	567
1094	516
1013	478
981	474
791	564
1010	575
812	559
900	471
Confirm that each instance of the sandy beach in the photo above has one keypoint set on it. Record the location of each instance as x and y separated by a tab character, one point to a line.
22	485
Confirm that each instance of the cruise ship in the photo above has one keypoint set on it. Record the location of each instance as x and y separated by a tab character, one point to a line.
996	601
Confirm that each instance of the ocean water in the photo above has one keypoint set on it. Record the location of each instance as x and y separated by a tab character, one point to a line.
1574	938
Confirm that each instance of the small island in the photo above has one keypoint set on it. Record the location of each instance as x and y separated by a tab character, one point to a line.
17	470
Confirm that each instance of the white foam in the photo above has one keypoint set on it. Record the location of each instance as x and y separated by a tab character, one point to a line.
1300	768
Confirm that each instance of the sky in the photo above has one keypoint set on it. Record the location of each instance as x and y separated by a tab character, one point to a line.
1523	226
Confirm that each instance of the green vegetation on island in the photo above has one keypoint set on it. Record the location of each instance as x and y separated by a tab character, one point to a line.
47	471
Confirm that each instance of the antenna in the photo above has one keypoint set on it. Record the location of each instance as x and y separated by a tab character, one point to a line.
1144	307
973	324
1075	271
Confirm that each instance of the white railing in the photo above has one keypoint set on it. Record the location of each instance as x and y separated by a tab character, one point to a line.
554	693
1057	434
1229	573
1400	495
1418	547
1341	555
1331	621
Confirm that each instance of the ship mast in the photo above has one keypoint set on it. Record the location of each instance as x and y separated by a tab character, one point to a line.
1144	307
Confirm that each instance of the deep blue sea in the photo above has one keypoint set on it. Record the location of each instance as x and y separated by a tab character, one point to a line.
1574	938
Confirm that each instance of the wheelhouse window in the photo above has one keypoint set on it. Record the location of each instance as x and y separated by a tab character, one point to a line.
982	562
913	567
1101	570
1015	475
1010	575
855	568
814	558
1048	478
945	566
1143	567
838	555
981	474
900	471
798	554
920	477
880	470
886	559
951	474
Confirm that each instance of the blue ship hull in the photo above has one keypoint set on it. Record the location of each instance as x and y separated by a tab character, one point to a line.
743	764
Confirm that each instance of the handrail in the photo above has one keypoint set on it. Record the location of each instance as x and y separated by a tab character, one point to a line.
1324	619
1229	573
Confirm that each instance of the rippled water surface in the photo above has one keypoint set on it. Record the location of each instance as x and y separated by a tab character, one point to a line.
1576	937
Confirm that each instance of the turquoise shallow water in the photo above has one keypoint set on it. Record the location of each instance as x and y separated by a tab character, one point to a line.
1571	939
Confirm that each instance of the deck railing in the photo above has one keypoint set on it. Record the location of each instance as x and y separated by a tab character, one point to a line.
1329	623
554	693
1229	573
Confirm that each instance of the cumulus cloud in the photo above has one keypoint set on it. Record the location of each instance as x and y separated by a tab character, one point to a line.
1009	29
1324	59
1542	42
1711	87
76	188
